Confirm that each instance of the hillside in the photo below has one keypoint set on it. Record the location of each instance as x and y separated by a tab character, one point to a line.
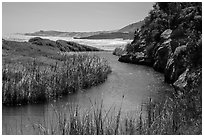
132	27
126	32
113	35
64	34
43	50
170	41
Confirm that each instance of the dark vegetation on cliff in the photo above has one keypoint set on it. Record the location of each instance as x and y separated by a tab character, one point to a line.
171	42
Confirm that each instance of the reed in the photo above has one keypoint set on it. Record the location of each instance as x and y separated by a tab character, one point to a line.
164	117
93	121
175	113
168	116
32	83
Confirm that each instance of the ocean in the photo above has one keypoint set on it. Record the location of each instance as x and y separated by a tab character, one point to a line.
106	44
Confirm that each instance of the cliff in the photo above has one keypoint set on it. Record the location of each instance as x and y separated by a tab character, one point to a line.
170	41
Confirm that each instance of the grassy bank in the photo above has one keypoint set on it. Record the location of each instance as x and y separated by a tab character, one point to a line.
155	118
166	116
32	82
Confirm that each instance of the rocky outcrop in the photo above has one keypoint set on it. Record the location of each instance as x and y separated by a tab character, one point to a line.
166	34
181	83
171	39
167	56
119	51
158	59
161	56
176	65
189	81
137	58
127	58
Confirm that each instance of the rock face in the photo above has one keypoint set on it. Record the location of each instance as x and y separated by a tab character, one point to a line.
161	53
181	82
166	34
176	64
161	56
137	58
169	56
62	45
119	51
170	40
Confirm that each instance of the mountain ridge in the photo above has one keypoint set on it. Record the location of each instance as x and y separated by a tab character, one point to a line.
126	32
132	27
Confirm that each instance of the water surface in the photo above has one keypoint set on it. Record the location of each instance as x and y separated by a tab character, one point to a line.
136	82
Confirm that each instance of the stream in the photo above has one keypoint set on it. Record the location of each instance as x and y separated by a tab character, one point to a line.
135	82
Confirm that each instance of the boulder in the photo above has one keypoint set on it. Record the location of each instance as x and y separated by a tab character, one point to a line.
166	34
181	82
119	51
127	58
169	72
179	50
136	58
176	65
161	56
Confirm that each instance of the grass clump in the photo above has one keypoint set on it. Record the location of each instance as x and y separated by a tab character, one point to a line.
173	115
169	116
31	82
155	118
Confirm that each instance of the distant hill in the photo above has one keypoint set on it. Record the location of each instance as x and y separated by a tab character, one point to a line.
65	34
113	35
132	27
126	32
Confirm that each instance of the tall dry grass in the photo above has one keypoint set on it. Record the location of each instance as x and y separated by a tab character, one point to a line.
31	83
164	117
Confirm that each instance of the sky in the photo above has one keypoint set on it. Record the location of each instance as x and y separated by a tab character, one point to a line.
22	17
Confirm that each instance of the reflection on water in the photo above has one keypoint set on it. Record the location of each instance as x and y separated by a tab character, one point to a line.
135	82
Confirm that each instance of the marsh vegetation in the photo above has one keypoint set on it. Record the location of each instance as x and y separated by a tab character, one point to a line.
32	83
